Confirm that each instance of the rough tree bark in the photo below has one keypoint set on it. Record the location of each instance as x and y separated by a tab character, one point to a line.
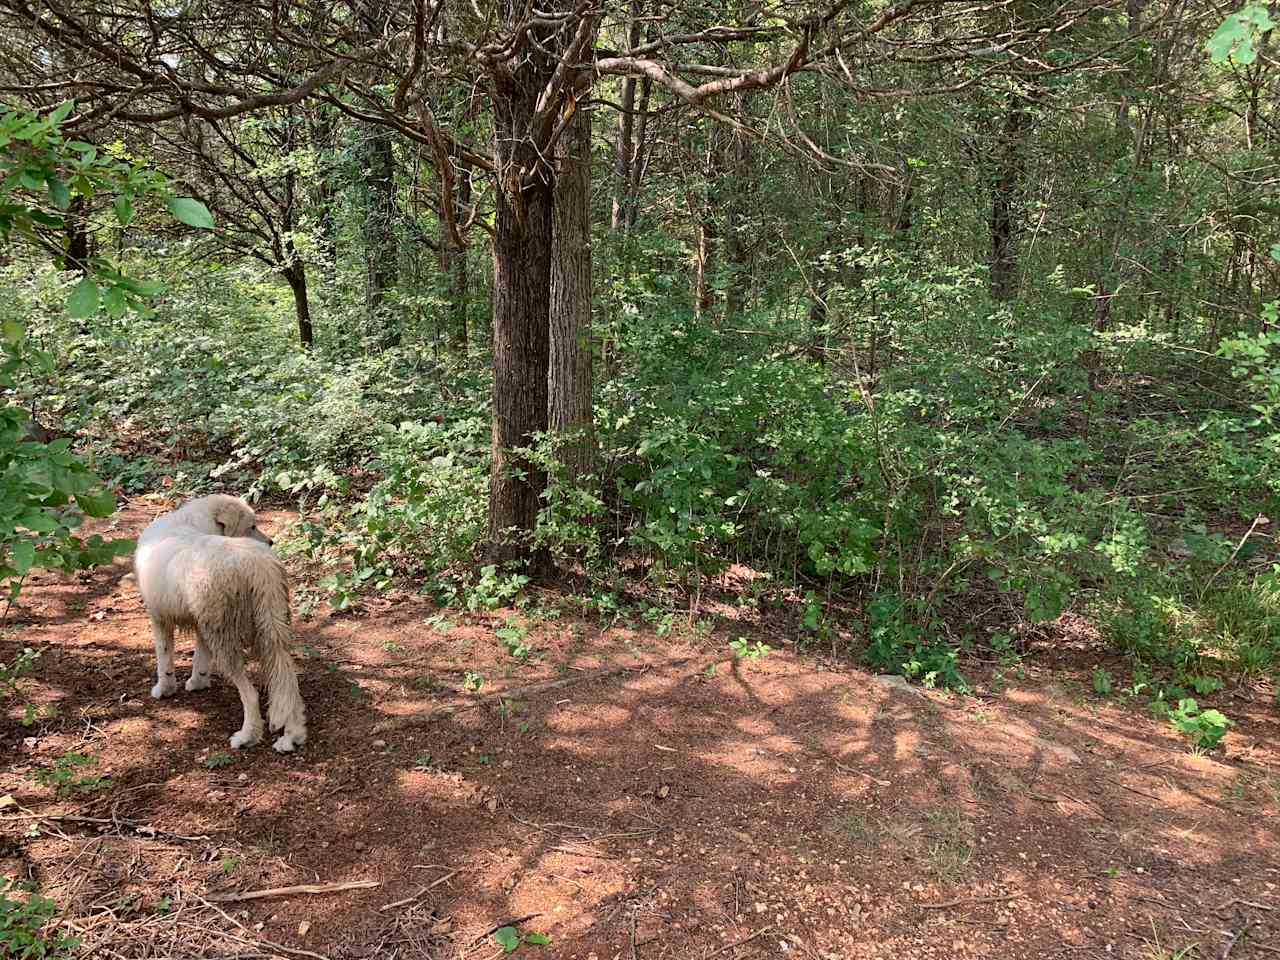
295	274
569	381
380	250
77	221
1008	175
521	304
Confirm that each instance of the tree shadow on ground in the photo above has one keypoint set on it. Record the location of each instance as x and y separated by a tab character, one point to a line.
662	801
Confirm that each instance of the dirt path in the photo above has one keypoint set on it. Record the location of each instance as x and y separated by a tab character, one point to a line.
665	800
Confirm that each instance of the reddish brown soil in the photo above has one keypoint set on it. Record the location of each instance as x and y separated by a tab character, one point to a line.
679	805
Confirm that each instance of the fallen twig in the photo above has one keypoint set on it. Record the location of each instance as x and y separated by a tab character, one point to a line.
842	768
145	829
737	943
309	888
1226	951
1149	796
295	951
967	901
429	887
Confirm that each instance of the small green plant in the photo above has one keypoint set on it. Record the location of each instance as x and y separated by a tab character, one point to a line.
1204	685
440	623
218	759
472	681
513	637
710	672
65	779
11	676
1205	728
229	863
25	916
744	649
1102	682
424	761
392	646
509	938
1003	647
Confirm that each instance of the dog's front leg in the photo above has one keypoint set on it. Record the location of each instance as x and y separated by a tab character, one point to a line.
200	667
166	683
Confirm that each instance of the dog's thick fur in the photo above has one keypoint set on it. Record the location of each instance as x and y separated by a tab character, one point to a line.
207	567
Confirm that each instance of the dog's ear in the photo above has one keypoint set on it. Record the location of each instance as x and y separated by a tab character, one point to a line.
229	516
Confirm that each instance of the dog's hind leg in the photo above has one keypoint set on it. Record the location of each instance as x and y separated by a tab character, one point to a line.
251	732
166	683
200	666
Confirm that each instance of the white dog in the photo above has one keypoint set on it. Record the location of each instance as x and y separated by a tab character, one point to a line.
207	567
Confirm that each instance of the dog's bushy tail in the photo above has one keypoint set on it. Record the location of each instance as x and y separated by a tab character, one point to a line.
285	709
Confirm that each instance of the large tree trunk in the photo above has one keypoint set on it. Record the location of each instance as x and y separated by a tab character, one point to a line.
77	222
296	276
521	295
1004	278
569	377
379	241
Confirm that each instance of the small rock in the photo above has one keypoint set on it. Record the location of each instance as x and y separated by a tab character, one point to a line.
379	744
359	846
243	777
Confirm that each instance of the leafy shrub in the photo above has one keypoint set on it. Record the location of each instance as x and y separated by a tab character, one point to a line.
1206	728
25	916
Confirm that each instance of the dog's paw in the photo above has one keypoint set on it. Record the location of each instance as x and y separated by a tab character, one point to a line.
197	682
165	688
288	742
241	739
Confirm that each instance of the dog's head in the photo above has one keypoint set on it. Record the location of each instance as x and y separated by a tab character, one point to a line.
235	518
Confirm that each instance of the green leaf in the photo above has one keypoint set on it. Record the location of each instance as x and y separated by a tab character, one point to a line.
37	521
58	193
114	302
84	299
62	111
538	939
13	331
124	209
191	212
101	504
24	555
508	938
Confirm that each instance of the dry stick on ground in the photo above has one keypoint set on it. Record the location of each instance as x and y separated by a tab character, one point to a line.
1232	942
145	829
289	891
737	943
296	951
429	887
967	901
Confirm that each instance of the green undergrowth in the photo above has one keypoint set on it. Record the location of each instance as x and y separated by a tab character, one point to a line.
878	496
